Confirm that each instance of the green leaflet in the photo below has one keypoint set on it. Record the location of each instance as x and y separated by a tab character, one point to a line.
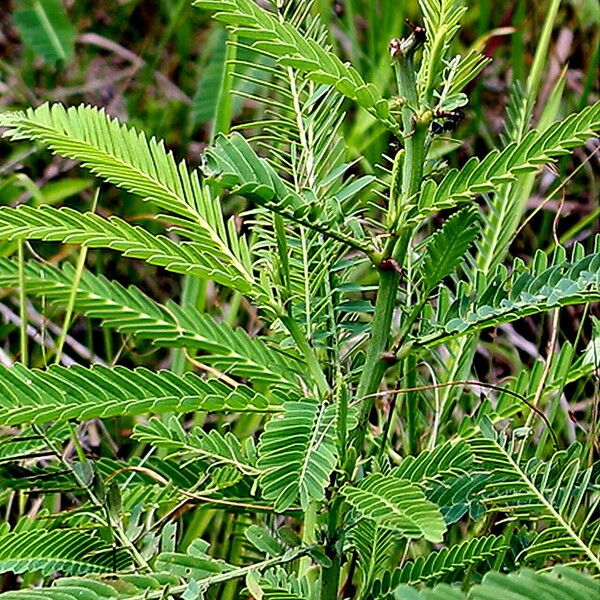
45	27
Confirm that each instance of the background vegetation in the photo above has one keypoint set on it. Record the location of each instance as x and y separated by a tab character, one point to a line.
163	68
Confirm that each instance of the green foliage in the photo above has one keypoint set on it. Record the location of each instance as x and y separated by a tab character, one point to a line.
553	492
526	290
353	391
233	163
445	461
446	248
499	167
443	563
296	51
297	454
398	505
125	157
560	583
214	447
374	546
130	311
70	226
67	551
58	393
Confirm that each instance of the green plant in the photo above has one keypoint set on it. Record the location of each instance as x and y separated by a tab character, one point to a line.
336	493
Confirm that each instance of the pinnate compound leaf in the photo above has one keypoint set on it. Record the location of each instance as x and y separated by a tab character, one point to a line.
442	563
232	163
212	446
297	453
124	157
70	552
562	583
59	394
398	505
503	297
446	460
445	250
294	49
90	229
479	176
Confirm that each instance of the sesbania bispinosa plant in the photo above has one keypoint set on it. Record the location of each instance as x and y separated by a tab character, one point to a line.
341	445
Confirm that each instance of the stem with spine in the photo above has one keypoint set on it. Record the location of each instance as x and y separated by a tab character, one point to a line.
389	277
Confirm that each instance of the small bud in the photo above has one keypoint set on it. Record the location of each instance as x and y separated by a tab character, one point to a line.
389	358
395	48
389	264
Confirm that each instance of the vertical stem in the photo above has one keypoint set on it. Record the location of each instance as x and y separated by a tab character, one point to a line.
541	54
73	293
412	174
374	366
24	341
224	114
410	375
308	354
309	536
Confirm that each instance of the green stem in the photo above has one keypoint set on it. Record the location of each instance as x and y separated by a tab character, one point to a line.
23	305
222	122
412	174
73	293
309	536
541	55
308	353
375	366
410	374
330	579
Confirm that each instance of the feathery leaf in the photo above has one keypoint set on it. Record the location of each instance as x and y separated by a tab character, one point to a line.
58	393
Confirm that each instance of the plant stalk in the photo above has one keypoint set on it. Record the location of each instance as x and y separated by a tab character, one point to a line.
308	353
415	132
24	341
